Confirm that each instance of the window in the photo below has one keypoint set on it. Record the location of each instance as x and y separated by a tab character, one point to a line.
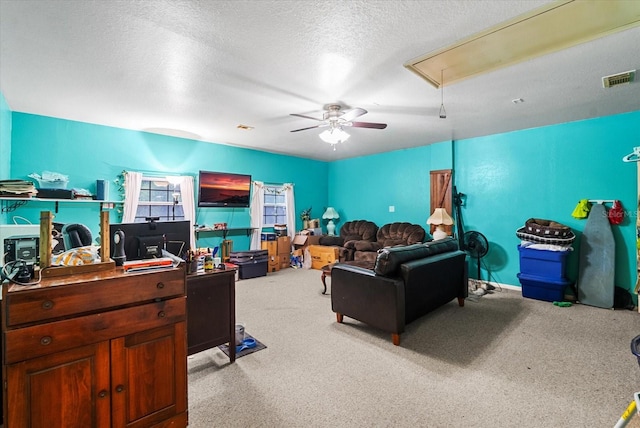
159	198
275	205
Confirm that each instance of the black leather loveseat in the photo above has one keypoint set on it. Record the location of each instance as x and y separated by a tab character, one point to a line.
406	283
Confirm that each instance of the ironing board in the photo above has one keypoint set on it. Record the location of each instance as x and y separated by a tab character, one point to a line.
597	260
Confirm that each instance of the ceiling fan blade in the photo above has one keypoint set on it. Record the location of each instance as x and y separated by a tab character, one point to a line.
368	125
311	127
306	117
351	114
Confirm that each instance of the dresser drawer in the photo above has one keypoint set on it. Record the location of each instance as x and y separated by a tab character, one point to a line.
44	339
55	299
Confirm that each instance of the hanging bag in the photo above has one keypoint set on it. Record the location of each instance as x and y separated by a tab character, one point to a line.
616	213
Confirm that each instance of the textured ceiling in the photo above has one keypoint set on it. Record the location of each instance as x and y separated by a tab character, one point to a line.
197	69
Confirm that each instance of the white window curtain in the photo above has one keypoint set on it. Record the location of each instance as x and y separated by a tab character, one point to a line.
132	185
291	209
188	203
257	213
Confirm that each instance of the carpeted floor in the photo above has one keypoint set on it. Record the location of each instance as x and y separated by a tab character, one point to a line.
501	361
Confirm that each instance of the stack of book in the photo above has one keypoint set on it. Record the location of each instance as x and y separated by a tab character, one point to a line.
17	189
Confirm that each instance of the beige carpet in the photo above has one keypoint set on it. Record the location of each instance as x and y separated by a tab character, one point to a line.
503	361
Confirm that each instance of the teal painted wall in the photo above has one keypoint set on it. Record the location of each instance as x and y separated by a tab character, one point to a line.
5	145
365	187
5	139
543	173
508	178
87	152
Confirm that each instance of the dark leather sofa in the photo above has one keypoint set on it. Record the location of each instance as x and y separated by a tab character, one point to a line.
406	283
389	235
355	230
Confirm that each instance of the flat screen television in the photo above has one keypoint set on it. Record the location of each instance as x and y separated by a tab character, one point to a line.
147	240
223	189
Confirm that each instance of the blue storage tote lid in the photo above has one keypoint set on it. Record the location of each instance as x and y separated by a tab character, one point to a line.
543	263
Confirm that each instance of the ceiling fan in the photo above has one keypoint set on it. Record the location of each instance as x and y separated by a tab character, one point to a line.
336	118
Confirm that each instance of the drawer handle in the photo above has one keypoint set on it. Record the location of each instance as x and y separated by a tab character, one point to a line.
102	393
160	285
119	388
47	304
46	340
161	314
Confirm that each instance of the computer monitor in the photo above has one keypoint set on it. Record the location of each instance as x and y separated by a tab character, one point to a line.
147	240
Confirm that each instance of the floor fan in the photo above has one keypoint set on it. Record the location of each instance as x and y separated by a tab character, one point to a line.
477	246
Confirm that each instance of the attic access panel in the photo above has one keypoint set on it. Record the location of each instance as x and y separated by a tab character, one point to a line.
548	29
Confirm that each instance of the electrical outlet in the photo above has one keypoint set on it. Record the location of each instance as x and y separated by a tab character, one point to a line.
392	209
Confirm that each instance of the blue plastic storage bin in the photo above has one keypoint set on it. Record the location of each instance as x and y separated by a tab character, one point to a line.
548	289
543	263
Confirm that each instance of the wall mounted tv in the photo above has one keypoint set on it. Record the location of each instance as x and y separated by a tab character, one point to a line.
223	189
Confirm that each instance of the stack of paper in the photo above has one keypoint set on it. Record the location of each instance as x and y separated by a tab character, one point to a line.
17	188
147	264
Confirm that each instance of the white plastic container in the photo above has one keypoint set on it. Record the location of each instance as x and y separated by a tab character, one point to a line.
239	333
54	184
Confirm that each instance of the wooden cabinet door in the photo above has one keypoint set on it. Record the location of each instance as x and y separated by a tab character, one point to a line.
149	378
441	186
63	390
210	310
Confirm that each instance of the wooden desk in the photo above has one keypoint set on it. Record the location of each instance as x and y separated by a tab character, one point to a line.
211	311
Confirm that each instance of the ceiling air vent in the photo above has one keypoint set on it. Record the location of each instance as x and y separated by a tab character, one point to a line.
618	79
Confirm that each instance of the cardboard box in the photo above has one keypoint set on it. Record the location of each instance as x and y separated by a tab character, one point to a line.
273	266
305	239
270	246
284	245
322	255
284	261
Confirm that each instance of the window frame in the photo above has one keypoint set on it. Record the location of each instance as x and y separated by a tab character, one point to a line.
274	190
171	189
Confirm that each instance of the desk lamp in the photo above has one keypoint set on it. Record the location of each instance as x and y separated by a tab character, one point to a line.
331	214
438	218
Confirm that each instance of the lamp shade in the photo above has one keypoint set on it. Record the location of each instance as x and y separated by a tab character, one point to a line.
439	217
330	214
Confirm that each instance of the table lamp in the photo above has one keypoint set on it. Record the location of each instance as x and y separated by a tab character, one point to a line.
438	218
331	214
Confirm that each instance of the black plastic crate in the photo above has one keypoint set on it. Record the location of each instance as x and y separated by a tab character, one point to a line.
252	270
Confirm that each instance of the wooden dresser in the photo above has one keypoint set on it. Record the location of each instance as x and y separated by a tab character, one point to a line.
106	349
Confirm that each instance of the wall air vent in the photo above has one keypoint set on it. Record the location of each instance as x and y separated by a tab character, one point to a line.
618	79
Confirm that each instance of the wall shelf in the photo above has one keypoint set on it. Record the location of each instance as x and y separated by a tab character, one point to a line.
226	231
10	204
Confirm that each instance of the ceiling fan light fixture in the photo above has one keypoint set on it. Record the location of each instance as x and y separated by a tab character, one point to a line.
334	136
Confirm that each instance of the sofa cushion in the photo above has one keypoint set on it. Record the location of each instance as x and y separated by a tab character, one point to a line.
400	233
366	246
330	240
390	258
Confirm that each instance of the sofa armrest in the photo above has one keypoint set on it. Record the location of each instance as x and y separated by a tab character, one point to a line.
360	294
350	245
433	281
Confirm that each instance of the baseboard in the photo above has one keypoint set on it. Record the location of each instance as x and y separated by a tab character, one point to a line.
498	285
